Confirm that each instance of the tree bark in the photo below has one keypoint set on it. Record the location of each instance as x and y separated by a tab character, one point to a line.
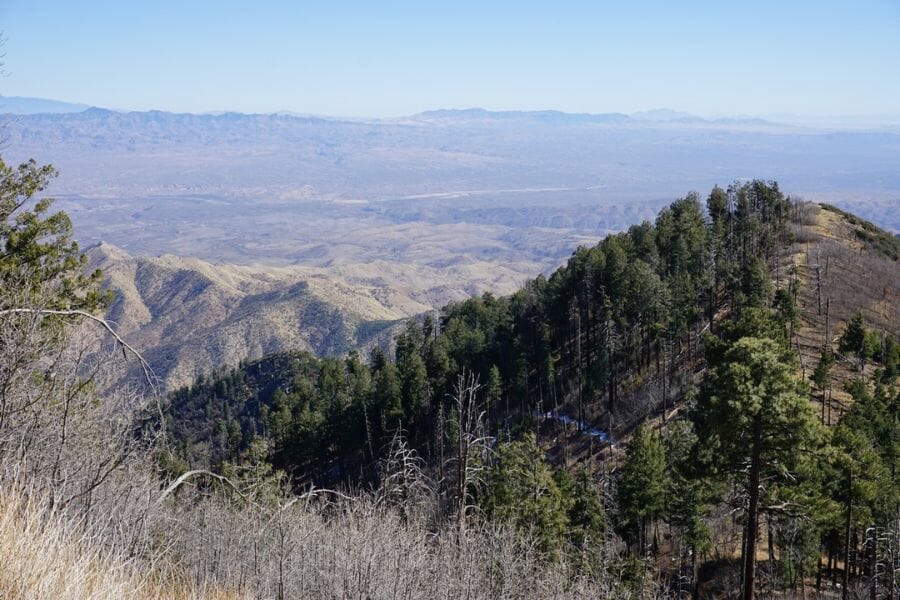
819	575
846	582
695	583
752	515
873	566
832	566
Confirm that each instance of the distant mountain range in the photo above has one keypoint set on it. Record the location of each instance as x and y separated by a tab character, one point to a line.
20	105
494	164
657	116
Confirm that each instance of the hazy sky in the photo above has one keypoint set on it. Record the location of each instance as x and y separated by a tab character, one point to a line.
384	58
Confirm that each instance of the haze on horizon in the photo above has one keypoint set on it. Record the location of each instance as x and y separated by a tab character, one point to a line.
400	58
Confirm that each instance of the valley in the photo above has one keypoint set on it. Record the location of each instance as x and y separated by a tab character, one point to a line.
189	317
350	222
524	188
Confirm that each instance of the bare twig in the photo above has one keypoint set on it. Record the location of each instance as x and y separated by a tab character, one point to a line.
149	375
148	371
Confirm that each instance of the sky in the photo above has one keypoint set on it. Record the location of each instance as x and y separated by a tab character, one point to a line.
386	58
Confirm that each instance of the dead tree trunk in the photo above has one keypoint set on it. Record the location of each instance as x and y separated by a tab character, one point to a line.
468	419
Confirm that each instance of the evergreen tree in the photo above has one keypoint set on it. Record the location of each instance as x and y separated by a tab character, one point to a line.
387	393
853	339
688	494
642	486
586	517
755	422
413	377
522	490
493	391
821	376
39	261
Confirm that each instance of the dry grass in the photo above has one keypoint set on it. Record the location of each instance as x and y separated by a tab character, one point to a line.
852	278
360	547
45	555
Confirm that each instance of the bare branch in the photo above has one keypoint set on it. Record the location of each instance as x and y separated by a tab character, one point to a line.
148	371
187	475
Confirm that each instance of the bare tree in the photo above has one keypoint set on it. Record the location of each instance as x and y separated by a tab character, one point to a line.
472	445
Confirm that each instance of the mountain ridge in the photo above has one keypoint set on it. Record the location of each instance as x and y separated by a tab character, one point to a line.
189	316
26	105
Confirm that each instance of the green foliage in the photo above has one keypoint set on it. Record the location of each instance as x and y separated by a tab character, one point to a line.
755	425
890	355
586	519
301	404
642	486
756	285
717	208
387	392
522	490
858	470
871	347
415	388
38	258
853	339
611	307
688	493
753	397
869	344
868	441
750	323
820	375
785	305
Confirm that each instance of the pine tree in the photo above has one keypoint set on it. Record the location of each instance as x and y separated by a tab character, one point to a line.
688	493
586	517
642	486
755	422
387	393
522	490
821	376
38	258
854	339
413	377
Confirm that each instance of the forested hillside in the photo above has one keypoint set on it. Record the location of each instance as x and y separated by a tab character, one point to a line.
686	329
620	319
